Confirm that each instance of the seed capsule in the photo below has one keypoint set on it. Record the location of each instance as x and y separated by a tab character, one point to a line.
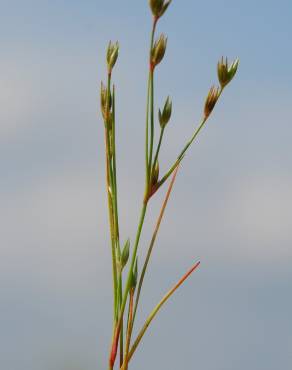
134	276
158	50
226	72
211	100
112	55
159	7
164	117
155	174
125	253
105	102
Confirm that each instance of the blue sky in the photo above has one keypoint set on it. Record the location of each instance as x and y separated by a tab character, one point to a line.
232	203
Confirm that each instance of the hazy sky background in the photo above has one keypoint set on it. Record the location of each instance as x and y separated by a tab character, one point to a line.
231	206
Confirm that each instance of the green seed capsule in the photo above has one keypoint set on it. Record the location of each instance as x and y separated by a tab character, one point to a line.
155	174
125	253
164	117
226	72
158	50
134	276
211	100
159	7
112	55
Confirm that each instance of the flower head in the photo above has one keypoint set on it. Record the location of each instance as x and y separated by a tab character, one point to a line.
134	275
225	71
125	254
105	102
158	50
112	55
165	115
159	7
155	174
211	100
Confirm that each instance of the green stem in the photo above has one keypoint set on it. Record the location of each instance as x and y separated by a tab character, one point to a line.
153	241
151	119
116	218
157	308
150	251
146	136
114	263
189	143
148	157
110	192
182	153
128	282
124	366
122	325
158	148
116	213
144	207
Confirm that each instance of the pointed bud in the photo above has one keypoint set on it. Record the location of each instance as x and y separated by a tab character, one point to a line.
103	99
125	253
158	7
105	102
211	100
158	50
155	174
226	72
164	117
112	55
134	276
165	6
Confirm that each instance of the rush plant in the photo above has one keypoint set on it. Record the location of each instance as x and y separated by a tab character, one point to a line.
127	277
